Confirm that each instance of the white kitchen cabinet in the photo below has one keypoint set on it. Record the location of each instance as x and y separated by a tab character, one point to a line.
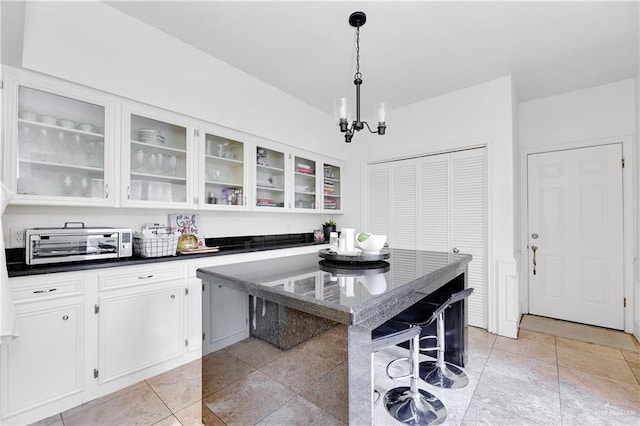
140	321
158	158
224	172
44	369
332	185
59	142
270	177
306	181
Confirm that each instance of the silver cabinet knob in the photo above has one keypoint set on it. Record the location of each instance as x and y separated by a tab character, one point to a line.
456	250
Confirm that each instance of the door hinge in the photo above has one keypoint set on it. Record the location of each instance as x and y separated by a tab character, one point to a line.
95	373
186	342
1	84
196	133
623	162
186	291
624	302
203	337
96	309
203	287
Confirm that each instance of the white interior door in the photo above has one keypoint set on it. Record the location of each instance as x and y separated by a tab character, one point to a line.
576	224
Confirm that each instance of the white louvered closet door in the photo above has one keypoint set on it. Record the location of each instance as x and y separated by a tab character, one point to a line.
434	203
468	224
453	215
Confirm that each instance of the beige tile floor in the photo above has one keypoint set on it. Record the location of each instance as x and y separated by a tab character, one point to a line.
538	379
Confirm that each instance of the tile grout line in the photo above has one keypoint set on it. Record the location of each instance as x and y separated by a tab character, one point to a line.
163	403
555	346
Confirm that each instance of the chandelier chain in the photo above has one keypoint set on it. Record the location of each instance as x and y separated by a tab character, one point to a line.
358	73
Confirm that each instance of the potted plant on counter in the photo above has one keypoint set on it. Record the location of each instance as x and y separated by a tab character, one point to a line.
327	228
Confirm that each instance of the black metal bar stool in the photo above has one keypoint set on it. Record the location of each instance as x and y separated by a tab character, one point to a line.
437	372
407	404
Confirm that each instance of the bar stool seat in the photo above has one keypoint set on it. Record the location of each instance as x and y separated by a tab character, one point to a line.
437	373
407	404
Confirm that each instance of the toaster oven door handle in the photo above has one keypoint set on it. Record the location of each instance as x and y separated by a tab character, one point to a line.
66	224
45	291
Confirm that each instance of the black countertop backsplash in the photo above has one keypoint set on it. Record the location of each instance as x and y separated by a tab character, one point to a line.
16	266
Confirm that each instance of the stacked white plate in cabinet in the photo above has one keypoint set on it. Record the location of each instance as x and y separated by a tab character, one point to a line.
150	136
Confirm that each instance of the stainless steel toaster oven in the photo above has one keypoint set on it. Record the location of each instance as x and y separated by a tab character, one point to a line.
75	242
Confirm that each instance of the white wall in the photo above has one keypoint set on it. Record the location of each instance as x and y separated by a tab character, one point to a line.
458	119
597	112
93	44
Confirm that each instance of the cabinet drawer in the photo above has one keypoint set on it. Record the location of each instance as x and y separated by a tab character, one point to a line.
128	277
30	289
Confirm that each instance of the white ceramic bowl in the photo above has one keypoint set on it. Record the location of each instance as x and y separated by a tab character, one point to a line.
48	119
69	124
27	115
373	244
86	127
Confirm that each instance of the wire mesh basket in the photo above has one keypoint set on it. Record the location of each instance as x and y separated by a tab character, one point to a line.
160	242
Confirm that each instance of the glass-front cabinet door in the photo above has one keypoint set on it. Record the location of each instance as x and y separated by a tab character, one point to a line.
158	155
270	177
331	188
305	183
224	174
59	144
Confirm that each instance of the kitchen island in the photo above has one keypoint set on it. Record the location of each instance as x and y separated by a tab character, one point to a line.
304	304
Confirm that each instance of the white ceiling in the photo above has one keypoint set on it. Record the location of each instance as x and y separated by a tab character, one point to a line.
410	51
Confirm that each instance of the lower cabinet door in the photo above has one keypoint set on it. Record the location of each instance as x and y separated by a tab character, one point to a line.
227	314
194	316
139	329
45	363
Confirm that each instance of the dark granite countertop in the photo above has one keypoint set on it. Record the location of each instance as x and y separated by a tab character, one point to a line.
16	266
345	293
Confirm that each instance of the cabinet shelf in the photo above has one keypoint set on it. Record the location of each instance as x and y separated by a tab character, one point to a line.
331	179
331	196
56	127
62	166
162	178
223	159
270	168
219	183
305	193
156	147
267	188
309	175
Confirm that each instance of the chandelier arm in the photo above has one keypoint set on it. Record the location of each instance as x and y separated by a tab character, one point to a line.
367	124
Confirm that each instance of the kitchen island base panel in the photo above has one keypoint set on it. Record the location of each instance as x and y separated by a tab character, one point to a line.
282	326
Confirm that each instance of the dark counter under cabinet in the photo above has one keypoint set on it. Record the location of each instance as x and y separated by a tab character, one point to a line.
305	305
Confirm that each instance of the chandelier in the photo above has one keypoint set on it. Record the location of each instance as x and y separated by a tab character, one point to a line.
341	107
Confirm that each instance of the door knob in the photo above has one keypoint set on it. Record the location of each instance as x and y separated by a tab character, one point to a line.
456	250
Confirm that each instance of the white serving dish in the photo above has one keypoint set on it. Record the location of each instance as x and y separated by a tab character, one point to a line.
373	244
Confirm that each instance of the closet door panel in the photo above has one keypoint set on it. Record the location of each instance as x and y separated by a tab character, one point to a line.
378	196
404	204
468	224
434	207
